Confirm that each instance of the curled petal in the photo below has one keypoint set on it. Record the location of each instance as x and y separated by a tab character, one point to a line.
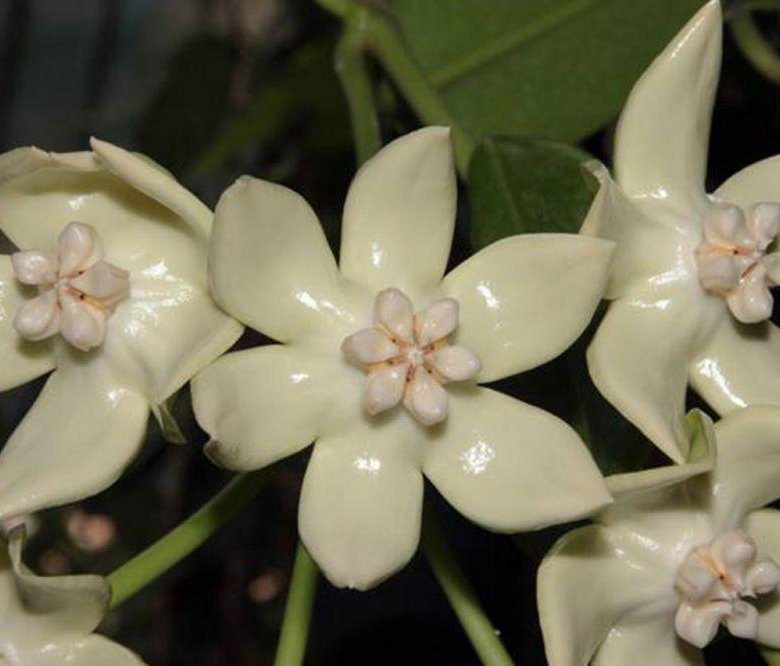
384	388
103	281
437	321
369	346
78	248
34	267
426	399
456	363
40	317
394	311
83	325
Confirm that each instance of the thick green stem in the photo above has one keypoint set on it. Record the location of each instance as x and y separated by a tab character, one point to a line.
186	537
356	82
754	46
462	598
297	613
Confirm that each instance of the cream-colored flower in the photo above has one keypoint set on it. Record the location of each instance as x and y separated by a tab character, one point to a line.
49	620
684	551
353	350
109	290
692	271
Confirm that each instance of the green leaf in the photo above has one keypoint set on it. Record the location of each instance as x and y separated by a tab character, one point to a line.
554	68
525	186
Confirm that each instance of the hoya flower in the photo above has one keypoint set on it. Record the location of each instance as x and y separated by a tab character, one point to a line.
108	290
381	357
692	272
49	620
684	552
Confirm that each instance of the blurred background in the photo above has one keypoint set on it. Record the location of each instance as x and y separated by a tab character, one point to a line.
213	89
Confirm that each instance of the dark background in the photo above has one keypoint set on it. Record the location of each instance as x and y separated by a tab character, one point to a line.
169	78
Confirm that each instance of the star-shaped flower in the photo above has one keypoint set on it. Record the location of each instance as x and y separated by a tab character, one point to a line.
353	349
691	276
683	551
49	620
109	290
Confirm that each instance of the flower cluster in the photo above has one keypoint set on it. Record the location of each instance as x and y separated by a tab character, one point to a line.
125	287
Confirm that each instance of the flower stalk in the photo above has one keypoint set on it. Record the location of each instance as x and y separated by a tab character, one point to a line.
297	613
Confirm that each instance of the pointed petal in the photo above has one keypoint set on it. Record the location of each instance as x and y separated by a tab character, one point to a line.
456	363
525	299
34	267
639	358
394	311
361	503
369	345
262	404
143	174
662	136
426	399
509	466
649	249
739	367
591	579
747	475
652	638
271	267
437	321
78	248
399	214
764	526
38	318
76	440
22	360
384	388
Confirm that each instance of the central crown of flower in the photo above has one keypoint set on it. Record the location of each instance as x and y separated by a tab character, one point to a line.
733	261
712	582
407	356
77	289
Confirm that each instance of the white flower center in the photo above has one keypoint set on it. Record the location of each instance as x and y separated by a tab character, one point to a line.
77	290
407	356
733	260
712	582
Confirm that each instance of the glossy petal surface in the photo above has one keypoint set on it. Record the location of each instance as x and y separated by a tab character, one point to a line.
525	299
271	266
639	360
399	214
591	579
78	437
747	476
755	183
262	404
764	527
665	161
22	360
509	466
361	502
739	367
652	638
90	650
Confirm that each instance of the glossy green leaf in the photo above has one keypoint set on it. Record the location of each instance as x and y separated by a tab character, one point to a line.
554	68
523	185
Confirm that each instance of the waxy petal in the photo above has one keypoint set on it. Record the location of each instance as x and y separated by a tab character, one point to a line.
509	466
270	265
399	215
395	312
764	526
82	324
369	345
22	360
104	282
588	583
76	440
639	359
525	299
751	302
262	404
78	248
426	399
90	650
740	366
384	388
664	162
361	503
755	183
747	475
34	267
652	638
437	321
38	318
456	363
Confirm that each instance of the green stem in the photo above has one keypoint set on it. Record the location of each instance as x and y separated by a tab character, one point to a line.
771	657
185	538
754	46
353	73
462	598
297	613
